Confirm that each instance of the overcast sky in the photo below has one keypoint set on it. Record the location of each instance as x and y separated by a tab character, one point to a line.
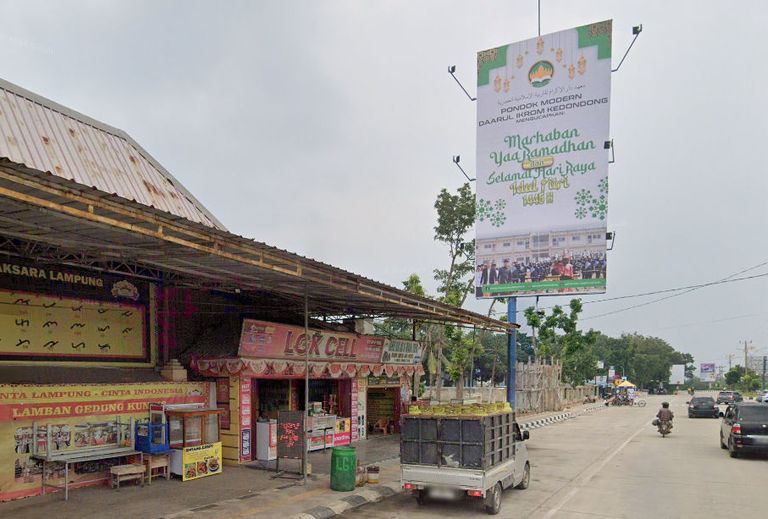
327	128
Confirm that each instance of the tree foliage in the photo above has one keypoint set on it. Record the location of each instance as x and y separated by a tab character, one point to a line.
455	220
494	346
560	338
745	379
647	361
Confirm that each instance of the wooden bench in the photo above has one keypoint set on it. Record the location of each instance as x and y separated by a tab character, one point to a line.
121	473
157	465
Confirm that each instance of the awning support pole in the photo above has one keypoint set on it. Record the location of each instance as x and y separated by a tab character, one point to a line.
306	383
414	385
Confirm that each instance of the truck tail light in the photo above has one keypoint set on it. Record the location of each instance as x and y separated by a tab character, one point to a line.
736	429
475	493
408	486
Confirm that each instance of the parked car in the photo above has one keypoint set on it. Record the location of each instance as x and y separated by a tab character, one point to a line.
729	397
744	428
703	406
762	397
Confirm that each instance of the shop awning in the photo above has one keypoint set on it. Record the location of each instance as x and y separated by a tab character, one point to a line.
58	220
626	383
265	368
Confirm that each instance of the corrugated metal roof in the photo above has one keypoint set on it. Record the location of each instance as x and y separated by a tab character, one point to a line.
48	137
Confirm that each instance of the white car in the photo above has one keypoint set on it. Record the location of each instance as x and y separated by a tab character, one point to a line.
762	397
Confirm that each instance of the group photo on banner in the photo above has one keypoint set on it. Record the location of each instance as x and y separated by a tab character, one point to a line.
543	109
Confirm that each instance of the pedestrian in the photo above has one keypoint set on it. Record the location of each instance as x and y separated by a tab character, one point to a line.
505	273
479	274
493	274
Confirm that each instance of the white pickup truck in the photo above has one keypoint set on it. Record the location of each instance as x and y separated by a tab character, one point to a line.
463	457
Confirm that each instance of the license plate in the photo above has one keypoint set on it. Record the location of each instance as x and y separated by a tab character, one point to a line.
442	493
760	440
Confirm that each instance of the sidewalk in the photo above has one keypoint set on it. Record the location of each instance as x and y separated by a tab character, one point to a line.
245	492
317	501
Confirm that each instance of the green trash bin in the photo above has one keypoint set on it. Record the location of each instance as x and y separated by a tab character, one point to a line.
343	467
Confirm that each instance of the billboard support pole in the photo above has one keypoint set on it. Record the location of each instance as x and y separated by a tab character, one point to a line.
511	352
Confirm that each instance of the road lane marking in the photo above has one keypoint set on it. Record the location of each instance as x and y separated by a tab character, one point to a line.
590	474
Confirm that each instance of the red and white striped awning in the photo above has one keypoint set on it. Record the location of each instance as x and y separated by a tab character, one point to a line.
221	367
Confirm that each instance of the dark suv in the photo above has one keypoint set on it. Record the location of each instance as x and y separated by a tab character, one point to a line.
744	428
729	397
703	406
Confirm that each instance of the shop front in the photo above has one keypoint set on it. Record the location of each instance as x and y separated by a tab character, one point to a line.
107	288
73	417
386	396
269	374
77	351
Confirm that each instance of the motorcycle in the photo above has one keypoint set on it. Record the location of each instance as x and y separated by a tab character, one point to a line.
664	427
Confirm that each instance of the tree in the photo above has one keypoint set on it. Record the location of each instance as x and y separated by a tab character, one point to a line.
492	361
745	379
644	360
402	328
733	376
533	318
750	381
455	219
467	346
431	335
572	347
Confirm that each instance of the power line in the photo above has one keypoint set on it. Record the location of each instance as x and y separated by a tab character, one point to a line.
724	319
728	279
687	289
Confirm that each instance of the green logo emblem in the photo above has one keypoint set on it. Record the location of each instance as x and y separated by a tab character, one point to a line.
541	73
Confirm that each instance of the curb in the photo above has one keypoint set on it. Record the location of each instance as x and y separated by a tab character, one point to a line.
543	422
377	493
362	497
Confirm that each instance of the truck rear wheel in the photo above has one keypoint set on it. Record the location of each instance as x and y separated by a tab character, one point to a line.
493	500
421	497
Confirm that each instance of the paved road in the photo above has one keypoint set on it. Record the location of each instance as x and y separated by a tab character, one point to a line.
614	464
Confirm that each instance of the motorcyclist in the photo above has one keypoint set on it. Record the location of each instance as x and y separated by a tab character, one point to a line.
664	414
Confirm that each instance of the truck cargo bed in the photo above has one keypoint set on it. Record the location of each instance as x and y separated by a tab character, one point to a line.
468	442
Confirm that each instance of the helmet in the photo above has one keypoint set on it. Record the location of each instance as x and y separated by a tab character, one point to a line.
665	405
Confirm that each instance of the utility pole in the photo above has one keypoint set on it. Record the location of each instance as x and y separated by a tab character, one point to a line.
765	364
730	361
511	353
747	347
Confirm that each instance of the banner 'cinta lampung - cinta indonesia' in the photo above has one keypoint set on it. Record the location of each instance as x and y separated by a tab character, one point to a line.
542	164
